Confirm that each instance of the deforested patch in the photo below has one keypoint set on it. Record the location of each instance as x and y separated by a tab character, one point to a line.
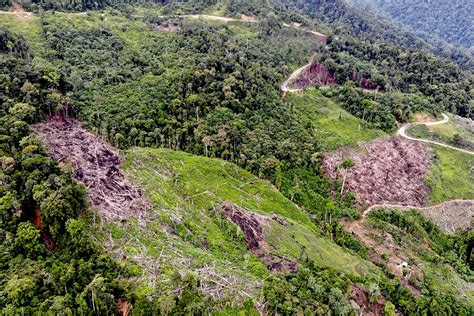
97	166
251	225
165	27
391	171
314	75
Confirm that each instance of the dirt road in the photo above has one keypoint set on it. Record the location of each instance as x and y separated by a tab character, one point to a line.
294	75
404	128
18	13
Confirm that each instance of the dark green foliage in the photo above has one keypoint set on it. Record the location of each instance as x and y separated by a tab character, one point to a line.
321	198
366	25
444	19
310	290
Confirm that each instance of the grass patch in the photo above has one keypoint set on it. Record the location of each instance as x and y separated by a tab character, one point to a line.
29	28
451	176
332	126
185	189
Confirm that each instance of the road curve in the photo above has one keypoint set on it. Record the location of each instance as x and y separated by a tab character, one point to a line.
296	73
404	128
408	207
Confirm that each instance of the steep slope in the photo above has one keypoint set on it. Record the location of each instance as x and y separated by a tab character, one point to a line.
445	19
187	192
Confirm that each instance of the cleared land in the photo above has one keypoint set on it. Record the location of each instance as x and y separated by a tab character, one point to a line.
391	171
391	246
96	165
214	219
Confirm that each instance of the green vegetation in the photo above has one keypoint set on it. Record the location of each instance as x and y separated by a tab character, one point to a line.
450	177
439	19
333	126
452	133
207	94
194	187
445	259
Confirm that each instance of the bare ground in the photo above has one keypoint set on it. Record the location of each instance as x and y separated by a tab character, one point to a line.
391	171
362	298
314	74
251	225
97	166
382	244
165	27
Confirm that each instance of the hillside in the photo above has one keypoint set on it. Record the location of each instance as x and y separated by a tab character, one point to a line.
230	157
451	22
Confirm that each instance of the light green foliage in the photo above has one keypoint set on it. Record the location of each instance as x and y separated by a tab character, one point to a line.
332	126
451	133
186	190
451	176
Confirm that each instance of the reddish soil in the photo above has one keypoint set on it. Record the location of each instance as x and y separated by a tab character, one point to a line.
315	74
97	166
392	171
45	235
251	225
365	83
361	297
123	307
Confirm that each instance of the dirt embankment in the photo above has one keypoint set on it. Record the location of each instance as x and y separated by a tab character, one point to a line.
391	171
314	74
362	298
97	166
251	225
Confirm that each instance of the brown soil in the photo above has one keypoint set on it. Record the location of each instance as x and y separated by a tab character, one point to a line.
452	215
97	166
123	307
423	117
392	171
37	220
381	244
315	74
247	18
251	224
361	297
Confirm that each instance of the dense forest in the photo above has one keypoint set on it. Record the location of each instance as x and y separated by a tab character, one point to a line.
210	90
448	20
349	18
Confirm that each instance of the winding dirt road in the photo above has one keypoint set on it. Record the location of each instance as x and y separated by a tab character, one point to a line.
402	132
294	75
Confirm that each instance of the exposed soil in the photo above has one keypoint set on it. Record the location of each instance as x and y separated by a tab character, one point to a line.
251	225
123	307
465	123
385	250
97	166
314	74
247	18
37	220
165	27
452	215
392	171
361	297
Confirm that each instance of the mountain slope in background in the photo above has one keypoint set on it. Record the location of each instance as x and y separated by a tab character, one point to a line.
451	21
